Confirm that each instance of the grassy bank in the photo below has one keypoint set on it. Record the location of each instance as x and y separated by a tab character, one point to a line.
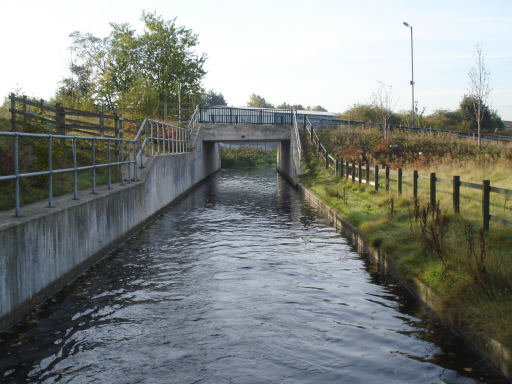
245	157
470	270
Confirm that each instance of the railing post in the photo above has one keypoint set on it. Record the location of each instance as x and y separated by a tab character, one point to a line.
376	177
50	172
367	173
415	184
387	178
486	198
433	189
13	114
456	194
359	172
152	141
110	165
75	172
17	174
93	150
121	159
399	181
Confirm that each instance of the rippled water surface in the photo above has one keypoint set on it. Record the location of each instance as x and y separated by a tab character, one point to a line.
240	282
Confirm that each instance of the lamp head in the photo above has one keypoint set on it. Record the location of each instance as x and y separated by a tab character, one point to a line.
406	24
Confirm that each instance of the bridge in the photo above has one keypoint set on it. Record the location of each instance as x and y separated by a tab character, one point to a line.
44	248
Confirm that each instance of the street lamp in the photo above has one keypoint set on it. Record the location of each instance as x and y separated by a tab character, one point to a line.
412	73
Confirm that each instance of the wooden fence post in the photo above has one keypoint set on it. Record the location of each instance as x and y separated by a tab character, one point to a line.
341	168
367	173
486	198
415	184
376	177
13	112
102	121
456	194
433	190
25	109
353	171
359	173
60	119
337	167
326	160
399	181
387	178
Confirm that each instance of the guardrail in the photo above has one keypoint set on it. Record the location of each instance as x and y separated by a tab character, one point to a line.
152	138
229	115
363	174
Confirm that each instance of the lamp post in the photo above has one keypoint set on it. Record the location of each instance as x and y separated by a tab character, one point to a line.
412	72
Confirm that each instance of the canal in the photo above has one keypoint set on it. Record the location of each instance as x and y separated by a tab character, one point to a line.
239	282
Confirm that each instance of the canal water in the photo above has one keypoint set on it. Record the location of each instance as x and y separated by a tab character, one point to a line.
240	282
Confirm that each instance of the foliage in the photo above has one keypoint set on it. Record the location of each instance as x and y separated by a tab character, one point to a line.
246	157
211	99
317	108
256	101
115	69
285	105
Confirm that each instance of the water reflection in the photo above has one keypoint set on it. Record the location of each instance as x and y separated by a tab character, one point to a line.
240	282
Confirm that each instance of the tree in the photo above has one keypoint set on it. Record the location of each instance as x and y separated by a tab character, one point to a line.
256	101
382	101
155	62
211	99
285	105
479	88
317	108
167	58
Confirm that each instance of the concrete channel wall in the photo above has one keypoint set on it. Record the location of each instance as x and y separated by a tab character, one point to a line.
44	249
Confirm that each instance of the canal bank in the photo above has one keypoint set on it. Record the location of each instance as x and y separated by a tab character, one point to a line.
497	354
241	281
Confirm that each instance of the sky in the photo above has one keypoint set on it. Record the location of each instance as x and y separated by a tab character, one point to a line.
323	52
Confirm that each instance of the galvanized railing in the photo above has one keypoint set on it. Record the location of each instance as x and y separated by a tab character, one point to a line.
153	138
229	115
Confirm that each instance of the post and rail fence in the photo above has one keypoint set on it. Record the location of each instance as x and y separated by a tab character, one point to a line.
33	114
354	170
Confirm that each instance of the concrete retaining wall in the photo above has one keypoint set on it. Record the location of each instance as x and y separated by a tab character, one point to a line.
46	247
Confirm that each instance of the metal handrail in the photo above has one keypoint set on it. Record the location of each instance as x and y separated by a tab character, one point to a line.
167	138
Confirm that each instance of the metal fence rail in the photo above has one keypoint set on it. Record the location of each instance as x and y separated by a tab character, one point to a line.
152	138
228	115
